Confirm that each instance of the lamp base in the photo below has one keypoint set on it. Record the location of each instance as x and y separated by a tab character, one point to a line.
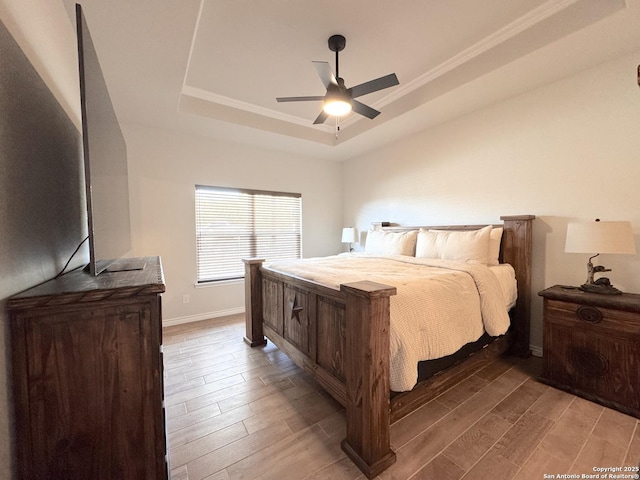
601	288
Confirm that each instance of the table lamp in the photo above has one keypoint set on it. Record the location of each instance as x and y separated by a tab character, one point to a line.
596	238
349	235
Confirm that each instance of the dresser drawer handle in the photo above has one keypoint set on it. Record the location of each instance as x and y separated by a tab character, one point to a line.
589	314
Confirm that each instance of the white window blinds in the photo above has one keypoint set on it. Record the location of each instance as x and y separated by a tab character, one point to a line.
233	224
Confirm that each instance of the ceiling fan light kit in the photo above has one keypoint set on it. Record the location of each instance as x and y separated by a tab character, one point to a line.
336	107
338	99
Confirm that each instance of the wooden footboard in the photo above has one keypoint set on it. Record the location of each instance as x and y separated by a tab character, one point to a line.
341	338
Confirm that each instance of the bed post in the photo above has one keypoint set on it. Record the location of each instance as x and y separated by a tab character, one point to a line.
366	370
516	250
253	302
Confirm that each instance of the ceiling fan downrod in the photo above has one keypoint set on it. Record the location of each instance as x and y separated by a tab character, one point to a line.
337	44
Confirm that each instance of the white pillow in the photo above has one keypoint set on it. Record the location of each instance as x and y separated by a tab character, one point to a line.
494	246
391	243
463	246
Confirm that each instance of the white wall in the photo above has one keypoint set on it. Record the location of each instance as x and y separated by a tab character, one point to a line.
164	168
567	151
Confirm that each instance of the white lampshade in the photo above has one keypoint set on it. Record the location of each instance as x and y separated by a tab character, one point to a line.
600	237
349	235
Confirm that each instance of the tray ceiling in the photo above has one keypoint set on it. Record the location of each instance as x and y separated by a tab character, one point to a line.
215	64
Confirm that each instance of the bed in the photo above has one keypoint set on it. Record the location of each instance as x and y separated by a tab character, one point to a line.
342	335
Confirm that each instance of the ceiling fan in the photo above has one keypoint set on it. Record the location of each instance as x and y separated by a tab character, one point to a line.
339	99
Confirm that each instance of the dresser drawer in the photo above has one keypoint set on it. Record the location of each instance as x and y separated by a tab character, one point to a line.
588	316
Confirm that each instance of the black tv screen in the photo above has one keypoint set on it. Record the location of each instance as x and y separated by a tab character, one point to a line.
105	160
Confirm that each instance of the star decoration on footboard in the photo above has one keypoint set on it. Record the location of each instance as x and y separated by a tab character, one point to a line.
295	309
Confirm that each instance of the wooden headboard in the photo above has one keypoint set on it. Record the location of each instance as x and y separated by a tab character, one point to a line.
515	249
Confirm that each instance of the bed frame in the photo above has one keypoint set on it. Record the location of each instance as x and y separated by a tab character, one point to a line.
341	338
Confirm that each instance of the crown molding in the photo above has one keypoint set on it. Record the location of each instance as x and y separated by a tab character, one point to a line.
249	107
506	33
535	16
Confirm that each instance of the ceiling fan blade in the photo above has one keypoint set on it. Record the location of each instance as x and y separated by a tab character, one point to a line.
374	85
325	73
363	109
321	118
300	99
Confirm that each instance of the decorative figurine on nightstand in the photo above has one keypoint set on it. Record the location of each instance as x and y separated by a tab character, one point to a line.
601	285
601	237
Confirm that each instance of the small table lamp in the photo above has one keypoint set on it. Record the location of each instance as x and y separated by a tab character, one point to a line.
349	235
596	238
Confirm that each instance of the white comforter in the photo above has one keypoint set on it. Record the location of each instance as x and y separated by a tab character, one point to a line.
440	305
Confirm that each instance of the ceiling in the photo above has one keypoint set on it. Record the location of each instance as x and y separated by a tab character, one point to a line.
215	67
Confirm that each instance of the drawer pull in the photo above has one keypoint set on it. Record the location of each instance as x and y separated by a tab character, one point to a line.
589	314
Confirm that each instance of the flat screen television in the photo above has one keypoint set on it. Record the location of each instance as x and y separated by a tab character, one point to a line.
105	162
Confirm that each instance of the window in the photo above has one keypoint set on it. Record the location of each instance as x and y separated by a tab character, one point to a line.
233	224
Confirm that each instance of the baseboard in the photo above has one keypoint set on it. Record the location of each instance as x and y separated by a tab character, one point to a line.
201	316
536	351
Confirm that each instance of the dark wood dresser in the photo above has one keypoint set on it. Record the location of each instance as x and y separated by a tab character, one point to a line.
592	346
87	376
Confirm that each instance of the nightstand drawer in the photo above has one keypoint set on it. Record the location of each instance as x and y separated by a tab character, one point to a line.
588	316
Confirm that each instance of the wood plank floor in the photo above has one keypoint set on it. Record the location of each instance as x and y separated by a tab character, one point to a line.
234	412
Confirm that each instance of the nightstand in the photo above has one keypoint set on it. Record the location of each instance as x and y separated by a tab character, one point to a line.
591	346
